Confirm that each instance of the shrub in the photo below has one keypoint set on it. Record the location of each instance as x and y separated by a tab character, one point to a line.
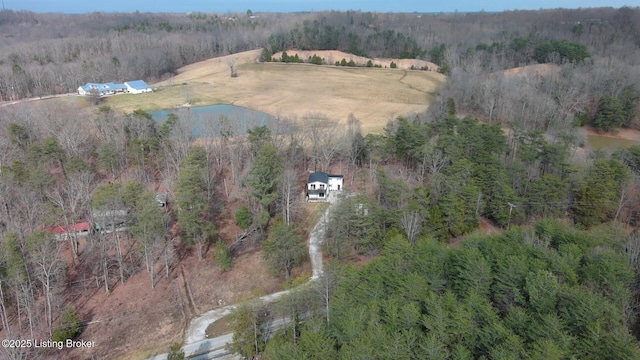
316	60
93	97
243	217
581	118
266	55
393	65
68	327
175	352
451	107
222	257
444	69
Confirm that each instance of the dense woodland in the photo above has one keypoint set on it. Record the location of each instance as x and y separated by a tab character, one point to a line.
536	293
497	148
543	288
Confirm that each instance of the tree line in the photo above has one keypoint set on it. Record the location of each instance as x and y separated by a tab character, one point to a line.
442	178
545	291
55	53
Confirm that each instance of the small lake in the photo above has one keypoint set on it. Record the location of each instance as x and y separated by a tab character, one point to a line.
217	120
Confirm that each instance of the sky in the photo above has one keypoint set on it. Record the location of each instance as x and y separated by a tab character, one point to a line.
217	6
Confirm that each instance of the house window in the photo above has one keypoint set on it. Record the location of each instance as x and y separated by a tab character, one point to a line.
338	187
321	195
313	186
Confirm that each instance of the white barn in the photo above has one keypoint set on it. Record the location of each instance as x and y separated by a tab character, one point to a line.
137	87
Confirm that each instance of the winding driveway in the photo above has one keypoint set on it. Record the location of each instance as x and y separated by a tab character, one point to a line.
197	346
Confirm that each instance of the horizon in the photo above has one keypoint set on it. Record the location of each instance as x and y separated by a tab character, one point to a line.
291	6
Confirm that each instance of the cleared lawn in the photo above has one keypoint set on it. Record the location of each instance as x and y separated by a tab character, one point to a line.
373	95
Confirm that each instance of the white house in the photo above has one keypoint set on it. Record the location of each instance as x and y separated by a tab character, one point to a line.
101	89
133	87
137	87
320	184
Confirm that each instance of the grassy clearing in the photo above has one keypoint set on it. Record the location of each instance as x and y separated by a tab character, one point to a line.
218	327
313	213
606	142
293	90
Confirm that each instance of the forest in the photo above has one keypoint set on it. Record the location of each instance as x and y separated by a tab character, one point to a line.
555	276
546	292
436	288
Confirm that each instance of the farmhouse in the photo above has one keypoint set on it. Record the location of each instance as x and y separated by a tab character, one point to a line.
102	89
320	184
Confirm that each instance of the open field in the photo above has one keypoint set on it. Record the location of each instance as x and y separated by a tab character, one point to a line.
373	95
618	138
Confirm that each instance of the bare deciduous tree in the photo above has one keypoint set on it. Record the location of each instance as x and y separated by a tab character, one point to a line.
326	286
233	69
411	222
325	139
72	198
288	192
43	252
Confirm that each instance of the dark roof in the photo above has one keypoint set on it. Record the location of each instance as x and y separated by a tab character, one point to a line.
335	176
318	176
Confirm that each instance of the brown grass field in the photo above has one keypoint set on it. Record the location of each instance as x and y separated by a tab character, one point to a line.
373	95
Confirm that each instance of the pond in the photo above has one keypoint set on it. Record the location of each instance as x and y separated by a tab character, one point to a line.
598	142
217	120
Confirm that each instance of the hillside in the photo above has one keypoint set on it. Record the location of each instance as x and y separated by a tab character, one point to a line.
498	153
532	70
372	95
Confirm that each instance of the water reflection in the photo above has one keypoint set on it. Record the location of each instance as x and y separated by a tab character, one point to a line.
216	120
